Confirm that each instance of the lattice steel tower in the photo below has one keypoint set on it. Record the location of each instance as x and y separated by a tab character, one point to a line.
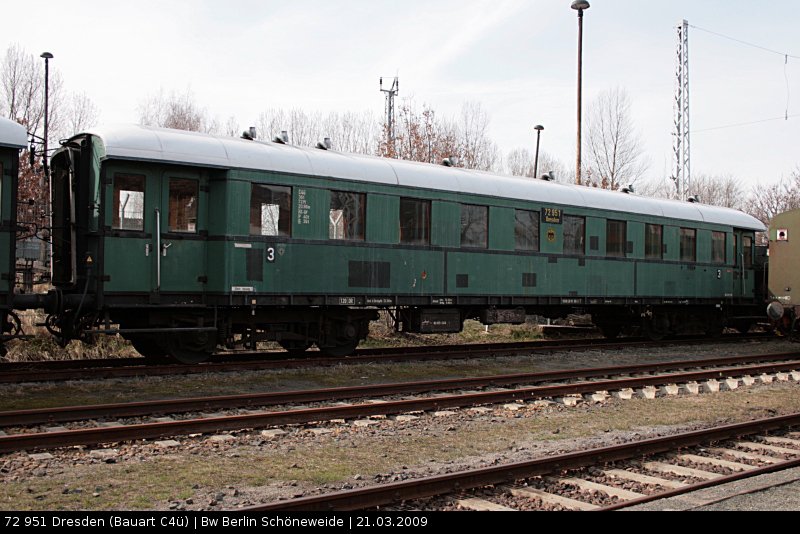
683	167
390	110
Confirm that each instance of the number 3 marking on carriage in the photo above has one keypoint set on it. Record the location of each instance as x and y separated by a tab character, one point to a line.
270	255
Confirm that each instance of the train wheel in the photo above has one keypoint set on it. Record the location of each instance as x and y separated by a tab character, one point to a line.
12	324
742	327
656	328
340	351
189	348
295	347
150	348
716	326
610	331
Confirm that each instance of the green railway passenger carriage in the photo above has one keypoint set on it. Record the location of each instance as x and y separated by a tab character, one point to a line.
184	242
13	138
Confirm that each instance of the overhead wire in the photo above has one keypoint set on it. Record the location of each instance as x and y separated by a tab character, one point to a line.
786	117
786	57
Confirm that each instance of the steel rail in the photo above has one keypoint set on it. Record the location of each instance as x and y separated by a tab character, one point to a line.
93	436
382	495
727	479
136	409
248	357
136	367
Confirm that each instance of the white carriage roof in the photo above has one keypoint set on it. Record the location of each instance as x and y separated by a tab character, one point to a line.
12	134
174	146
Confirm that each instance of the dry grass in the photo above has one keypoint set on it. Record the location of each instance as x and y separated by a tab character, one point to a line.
338	457
382	334
42	346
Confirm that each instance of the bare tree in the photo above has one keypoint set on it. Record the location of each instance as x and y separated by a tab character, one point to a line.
297	123
767	202
81	114
425	136
419	136
177	111
22	92
657	188
725	191
521	162
231	128
477	150
615	155
349	132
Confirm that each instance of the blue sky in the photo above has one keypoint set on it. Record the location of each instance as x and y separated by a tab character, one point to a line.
516	57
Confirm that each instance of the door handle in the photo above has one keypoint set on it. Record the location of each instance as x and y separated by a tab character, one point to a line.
164	248
148	248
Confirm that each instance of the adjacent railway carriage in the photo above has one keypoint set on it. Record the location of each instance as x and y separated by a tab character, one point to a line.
183	242
784	272
13	138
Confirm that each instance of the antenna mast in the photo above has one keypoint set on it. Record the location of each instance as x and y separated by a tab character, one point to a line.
390	111
683	168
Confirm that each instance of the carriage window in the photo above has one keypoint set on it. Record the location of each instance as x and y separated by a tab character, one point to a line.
616	238
415	221
271	210
747	251
474	226
348	216
688	244
183	195
527	230
719	243
654	242
128	202
574	235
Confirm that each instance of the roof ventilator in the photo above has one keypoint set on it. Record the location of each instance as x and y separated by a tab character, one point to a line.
628	190
549	177
694	199
452	161
283	138
249	134
325	145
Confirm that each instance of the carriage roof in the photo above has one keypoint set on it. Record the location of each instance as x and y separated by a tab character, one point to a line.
12	134
180	147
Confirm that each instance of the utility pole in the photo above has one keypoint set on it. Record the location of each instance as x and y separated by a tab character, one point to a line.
391	94
580	6
682	148
46	186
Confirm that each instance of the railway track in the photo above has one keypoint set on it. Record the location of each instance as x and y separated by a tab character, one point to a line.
55	371
728	373
608	478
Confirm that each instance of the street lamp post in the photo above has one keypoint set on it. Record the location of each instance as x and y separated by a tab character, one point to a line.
47	56
580	6
539	128
47	252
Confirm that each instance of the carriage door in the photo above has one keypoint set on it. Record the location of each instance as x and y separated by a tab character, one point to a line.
742	254
179	239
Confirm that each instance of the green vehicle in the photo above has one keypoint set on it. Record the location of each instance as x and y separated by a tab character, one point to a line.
184	242
13	138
